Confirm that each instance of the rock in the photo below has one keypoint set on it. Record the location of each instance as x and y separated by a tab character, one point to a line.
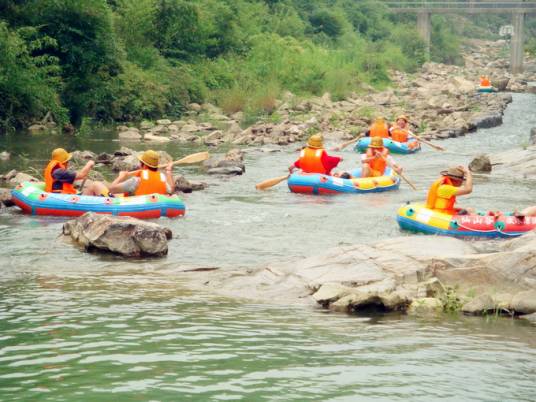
37	129
395	273
122	235
155	138
529	317
5	197
524	302
480	164
146	125
163	122
4	156
122	128
425	306
21	178
231	171
124	151
83	156
195	107
235	154
463	85
487	120
129	162
479	305
500	83
198	185
104	158
532	137
130	135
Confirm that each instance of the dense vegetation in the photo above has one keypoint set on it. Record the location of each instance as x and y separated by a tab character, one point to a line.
132	59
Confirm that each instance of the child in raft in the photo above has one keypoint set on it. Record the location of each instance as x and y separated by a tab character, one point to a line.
374	162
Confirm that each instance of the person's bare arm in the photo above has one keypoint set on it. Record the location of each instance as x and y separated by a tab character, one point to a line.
169	177
82	173
467	187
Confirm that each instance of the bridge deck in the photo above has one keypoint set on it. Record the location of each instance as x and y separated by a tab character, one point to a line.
470	7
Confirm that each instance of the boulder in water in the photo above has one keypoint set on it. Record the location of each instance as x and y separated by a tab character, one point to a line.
480	164
5	197
487	120
126	236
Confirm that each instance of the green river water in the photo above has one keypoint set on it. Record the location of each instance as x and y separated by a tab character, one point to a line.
86	327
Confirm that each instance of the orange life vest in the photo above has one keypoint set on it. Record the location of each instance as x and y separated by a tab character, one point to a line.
378	164
151	182
311	160
484	82
399	134
379	130
433	201
67	188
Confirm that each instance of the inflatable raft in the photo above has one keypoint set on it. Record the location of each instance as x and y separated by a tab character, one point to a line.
485	89
394	147
32	199
320	184
418	218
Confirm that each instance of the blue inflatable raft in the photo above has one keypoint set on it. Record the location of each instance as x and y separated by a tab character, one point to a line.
394	147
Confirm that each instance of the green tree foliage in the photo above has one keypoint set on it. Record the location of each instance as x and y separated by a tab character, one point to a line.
134	59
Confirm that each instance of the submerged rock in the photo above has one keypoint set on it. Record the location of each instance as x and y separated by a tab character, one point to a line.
122	235
480	164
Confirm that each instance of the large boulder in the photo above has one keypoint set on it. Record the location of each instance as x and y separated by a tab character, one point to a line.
130	135
487	120
500	83
122	235
129	162
183	185
231	164
398	273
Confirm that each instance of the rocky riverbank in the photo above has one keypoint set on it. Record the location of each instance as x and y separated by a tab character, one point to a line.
418	274
441	100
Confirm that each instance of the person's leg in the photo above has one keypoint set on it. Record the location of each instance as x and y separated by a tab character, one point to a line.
95	188
366	171
128	186
530	211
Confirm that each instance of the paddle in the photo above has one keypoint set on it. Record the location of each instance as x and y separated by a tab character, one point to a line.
400	174
271	182
437	147
193	158
345	144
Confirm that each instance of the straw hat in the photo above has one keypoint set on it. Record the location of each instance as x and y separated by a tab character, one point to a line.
61	155
150	158
315	141
454	172
403	117
376	142
379	119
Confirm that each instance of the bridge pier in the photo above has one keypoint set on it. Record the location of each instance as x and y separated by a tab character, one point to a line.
516	52
424	27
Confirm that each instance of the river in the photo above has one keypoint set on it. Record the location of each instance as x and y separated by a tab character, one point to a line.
77	326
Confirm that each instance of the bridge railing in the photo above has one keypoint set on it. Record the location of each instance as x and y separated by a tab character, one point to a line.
483	5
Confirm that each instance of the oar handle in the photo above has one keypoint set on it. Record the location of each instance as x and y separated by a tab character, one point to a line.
345	144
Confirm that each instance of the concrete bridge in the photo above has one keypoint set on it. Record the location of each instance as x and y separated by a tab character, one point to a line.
425	9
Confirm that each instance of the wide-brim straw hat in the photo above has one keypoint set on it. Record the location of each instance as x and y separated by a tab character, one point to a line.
315	141
150	158
61	155
454	172
403	117
376	142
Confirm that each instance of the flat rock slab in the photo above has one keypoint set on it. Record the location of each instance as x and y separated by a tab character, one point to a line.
396	274
126	236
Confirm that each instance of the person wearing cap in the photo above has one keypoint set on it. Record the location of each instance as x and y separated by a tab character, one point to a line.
454	181
147	180
60	179
400	132
314	158
376	159
379	128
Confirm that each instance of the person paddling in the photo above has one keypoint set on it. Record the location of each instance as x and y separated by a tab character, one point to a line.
379	128
60	179
376	160
400	131
314	158
455	181
147	180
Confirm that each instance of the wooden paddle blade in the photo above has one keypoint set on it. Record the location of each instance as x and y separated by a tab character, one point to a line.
271	182
193	158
